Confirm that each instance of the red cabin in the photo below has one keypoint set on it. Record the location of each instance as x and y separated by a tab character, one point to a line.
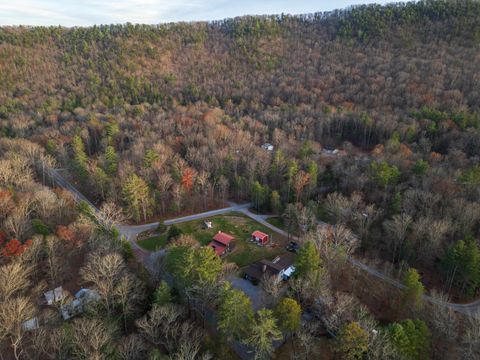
221	243
260	237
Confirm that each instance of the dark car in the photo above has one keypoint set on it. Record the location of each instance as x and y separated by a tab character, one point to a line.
292	247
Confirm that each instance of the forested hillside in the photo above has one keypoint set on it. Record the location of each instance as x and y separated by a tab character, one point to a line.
373	115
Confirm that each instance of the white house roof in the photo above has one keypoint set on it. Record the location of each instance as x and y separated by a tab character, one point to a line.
289	271
59	294
49	296
54	295
82	298
31	324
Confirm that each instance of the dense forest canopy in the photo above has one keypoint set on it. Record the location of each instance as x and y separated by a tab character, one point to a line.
373	118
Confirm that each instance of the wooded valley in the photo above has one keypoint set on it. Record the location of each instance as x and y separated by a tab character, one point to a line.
367	119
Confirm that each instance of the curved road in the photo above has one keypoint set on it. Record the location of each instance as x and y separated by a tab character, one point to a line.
130	233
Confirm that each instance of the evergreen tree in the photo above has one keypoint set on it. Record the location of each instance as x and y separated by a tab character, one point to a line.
352	342
235	314
462	264
193	267
163	294
275	202
414	288
80	158
263	333
258	194
385	174
307	259
288	313
149	158
411	338
136	195
111	160
313	175
101	182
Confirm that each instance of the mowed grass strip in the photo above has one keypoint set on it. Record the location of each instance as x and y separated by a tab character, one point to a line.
153	243
280	223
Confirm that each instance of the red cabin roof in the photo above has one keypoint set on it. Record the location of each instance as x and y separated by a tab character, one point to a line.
260	235
217	247
223	238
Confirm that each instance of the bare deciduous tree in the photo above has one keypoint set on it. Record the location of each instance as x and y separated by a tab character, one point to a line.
444	321
90	337
161	325
13	312
105	272
110	215
56	254
397	230
132	347
14	278
271	288
129	292
470	341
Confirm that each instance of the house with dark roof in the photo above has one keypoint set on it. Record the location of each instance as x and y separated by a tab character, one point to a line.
280	268
221	243
260	237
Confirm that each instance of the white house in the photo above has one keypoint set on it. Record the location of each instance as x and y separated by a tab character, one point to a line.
267	146
77	306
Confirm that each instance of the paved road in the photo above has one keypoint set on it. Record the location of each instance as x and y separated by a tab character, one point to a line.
262	220
131	231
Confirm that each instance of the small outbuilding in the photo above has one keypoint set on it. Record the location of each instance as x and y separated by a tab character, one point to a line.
54	295
31	324
267	146
260	237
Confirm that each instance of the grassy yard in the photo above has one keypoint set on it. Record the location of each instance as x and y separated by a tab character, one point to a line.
153	243
280	223
241	228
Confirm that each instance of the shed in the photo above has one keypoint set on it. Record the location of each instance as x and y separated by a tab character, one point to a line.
54	295
260	237
31	324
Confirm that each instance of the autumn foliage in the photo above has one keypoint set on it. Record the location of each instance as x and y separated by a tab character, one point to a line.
188	179
65	233
15	248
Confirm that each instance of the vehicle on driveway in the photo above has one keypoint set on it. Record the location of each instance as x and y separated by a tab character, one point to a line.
293	247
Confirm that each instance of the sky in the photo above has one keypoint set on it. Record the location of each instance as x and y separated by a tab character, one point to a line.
90	12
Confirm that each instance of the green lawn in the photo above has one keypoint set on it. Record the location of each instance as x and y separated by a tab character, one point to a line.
241	228
153	243
280	223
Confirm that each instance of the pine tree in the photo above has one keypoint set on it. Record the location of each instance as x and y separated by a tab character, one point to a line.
352	342
235	314
288	313
275	202
137	197
462	264
414	288
111	160
411	338
80	158
307	259
163	294
149	158
313	175
263	333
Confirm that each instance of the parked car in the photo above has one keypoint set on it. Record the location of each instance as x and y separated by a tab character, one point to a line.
292	247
